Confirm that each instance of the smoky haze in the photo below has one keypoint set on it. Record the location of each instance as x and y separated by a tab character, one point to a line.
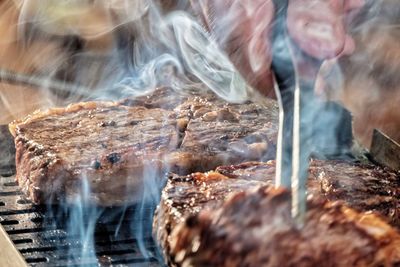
115	49
108	50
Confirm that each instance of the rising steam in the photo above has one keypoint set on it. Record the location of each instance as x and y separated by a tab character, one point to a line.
109	50
116	49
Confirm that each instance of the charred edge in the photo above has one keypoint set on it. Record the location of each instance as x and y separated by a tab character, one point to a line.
107	123
113	158
182	134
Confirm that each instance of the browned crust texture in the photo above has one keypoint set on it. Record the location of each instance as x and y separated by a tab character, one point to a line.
254	228
114	146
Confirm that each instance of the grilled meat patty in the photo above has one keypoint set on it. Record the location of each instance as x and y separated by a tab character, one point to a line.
110	148
185	196
255	228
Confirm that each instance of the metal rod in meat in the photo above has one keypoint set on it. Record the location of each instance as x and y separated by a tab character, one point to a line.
296	100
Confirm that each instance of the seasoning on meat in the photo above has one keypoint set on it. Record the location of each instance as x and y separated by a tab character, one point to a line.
368	190
115	146
255	228
57	150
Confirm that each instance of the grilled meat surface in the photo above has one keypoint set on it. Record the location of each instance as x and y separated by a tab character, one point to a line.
220	134
255	228
216	132
165	98
110	148
361	186
185	196
364	187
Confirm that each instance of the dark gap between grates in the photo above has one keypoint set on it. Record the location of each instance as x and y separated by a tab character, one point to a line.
10	193
37	220
23	201
2	204
42	249
36	260
5	173
28	230
22	241
10	184
9	222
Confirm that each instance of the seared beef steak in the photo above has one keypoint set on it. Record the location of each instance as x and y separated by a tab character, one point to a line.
219	133
114	145
364	187
188	195
254	228
185	196
216	132
163	97
361	186
108	145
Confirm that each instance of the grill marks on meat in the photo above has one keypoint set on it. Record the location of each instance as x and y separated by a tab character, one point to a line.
83	134
215	132
363	187
113	145
219	133
187	199
97	142
254	228
164	97
188	195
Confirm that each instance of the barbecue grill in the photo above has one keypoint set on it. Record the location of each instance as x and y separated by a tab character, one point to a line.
38	236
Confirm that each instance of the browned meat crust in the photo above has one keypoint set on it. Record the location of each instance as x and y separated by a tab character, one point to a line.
163	97
106	145
220	133
216	132
254	228
113	145
186	196
361	186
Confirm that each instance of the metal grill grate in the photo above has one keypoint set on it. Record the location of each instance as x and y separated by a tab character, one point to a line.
43	240
43	243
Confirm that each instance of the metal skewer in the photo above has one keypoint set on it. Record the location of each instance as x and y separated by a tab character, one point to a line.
296	98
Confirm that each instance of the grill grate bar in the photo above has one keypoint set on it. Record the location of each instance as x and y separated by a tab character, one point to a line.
15	212
44	241
43	238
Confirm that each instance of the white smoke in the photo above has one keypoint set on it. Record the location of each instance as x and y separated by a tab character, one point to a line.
123	48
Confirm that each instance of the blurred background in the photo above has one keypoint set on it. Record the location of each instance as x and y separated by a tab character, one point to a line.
93	45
